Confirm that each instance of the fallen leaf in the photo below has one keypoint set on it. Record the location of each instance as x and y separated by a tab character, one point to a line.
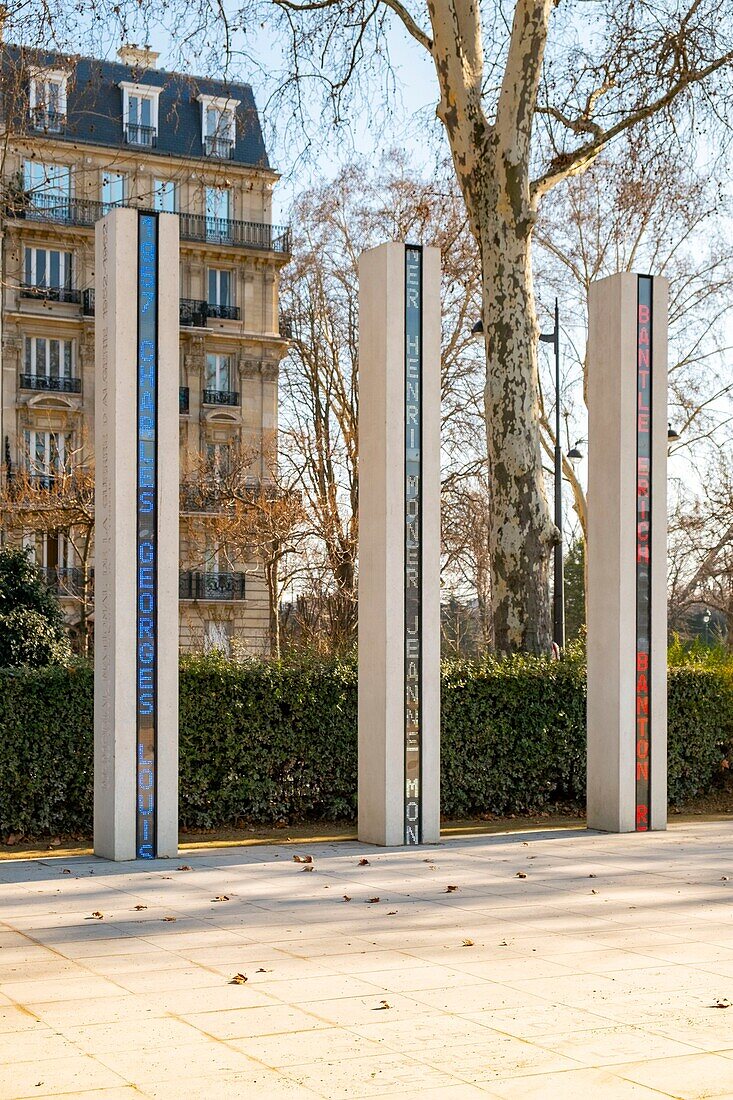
467	943
97	915
520	874
451	889
382	1005
221	897
594	891
346	897
139	907
262	970
238	979
66	871
503	944
364	862
372	901
591	876
184	867
302	859
308	867
169	919
392	913
723	878
725	1003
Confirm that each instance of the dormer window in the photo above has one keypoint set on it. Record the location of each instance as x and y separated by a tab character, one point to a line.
218	126
140	113
48	100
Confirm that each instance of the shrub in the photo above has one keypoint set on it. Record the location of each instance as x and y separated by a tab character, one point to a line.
32	628
263	742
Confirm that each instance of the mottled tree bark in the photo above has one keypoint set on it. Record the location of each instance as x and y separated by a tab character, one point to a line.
492	165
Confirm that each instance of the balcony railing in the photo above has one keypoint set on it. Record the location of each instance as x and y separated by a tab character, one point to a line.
68	581
220	397
211	586
224	313
192	312
52	122
136	134
221	147
65	210
183	395
87	302
49	384
50	293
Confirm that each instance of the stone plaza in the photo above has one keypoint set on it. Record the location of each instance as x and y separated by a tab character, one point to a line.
542	964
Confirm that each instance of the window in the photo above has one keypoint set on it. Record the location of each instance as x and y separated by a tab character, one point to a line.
218	373
114	190
47	268
218	636
48	187
164	196
48	358
220	288
218	125
218	213
48	101
140	113
47	454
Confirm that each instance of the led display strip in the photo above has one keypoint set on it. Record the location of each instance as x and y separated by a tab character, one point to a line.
147	526
413	544
644	367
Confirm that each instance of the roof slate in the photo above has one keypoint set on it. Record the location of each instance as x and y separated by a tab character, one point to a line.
94	104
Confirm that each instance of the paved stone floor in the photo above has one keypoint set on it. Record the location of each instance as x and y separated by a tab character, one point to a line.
560	964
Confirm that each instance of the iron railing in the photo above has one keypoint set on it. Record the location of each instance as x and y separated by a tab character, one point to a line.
49	384
192	312
221	147
183	396
67	581
87	302
137	134
50	293
220	397
53	122
67	210
211	586
223	313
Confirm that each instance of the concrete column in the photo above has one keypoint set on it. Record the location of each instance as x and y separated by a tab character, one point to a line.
399	545
136	544
627	554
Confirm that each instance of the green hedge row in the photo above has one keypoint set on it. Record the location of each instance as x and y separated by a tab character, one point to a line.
263	742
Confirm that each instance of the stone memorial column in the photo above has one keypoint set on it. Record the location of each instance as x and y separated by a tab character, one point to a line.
136	537
399	545
627	554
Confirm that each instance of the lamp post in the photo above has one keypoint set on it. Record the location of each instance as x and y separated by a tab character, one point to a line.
558	601
706	621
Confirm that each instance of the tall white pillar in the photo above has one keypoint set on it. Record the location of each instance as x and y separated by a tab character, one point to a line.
399	545
627	554
136	536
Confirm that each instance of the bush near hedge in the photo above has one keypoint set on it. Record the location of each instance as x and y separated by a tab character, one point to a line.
263	742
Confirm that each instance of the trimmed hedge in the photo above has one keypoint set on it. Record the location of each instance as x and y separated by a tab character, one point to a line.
263	742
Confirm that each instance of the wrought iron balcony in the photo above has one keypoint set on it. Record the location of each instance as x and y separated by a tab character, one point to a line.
221	147
66	210
49	384
220	397
211	586
52	122
192	312
50	293
286	326
136	134
183	395
224	313
87	302
68	581
202	227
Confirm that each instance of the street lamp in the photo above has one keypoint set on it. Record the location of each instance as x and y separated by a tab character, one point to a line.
706	621
673	436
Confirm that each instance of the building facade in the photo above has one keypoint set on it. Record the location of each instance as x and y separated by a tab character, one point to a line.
83	136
